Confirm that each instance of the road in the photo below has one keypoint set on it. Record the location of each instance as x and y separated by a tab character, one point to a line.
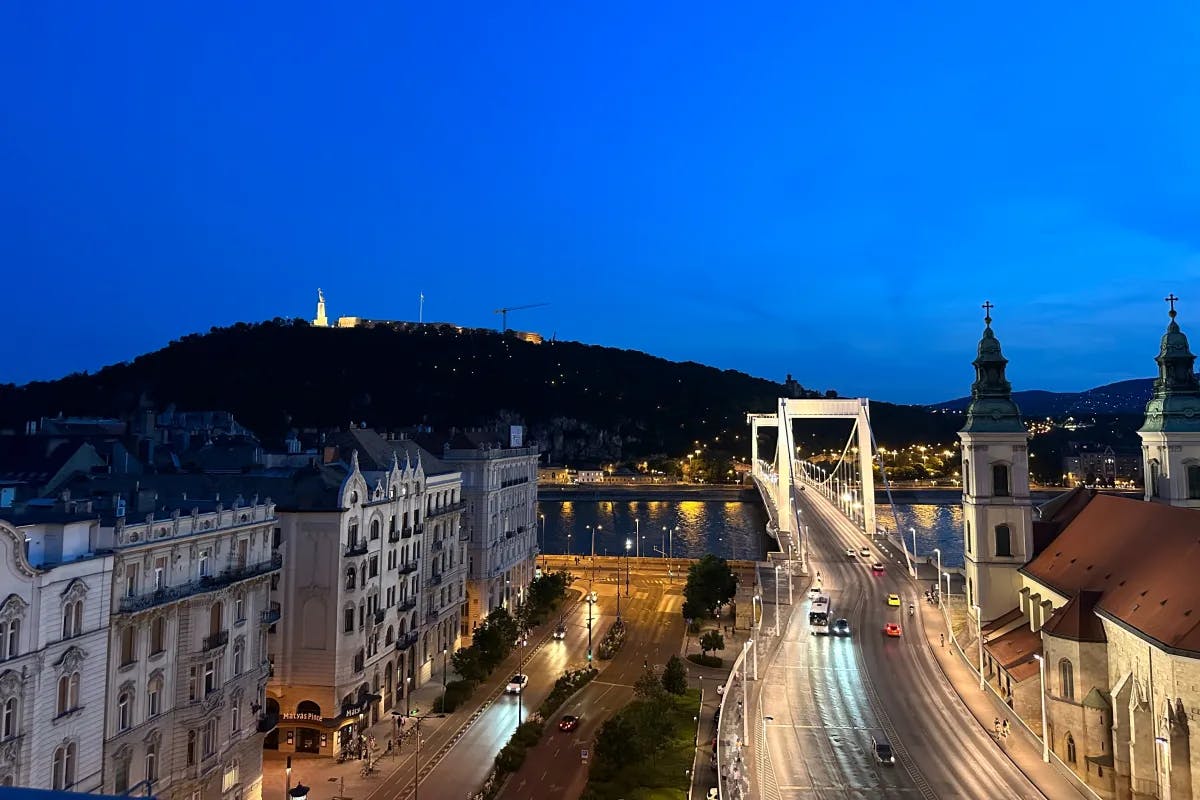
829	696
554	768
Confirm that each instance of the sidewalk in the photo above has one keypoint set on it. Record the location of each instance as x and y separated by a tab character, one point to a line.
328	779
1022	748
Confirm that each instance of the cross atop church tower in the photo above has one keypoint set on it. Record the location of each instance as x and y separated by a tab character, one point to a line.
1172	299
987	311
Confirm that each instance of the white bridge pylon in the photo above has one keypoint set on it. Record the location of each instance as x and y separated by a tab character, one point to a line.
790	409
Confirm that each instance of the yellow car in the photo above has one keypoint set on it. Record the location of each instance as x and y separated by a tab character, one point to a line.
893	599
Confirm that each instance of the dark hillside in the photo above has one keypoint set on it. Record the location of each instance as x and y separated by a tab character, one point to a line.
586	401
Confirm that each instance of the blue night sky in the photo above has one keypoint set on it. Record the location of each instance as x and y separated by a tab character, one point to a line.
824	189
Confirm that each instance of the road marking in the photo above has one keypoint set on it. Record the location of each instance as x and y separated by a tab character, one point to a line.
605	683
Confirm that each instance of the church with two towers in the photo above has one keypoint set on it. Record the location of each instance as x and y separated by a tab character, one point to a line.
1103	590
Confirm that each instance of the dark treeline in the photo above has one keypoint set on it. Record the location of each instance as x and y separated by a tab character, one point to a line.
583	401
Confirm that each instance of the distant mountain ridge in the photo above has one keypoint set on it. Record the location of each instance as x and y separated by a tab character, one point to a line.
1122	397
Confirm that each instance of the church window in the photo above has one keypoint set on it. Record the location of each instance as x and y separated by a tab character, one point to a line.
1155	474
966	477
1193	473
1000	480
1066	680
1070	749
969	547
1003	540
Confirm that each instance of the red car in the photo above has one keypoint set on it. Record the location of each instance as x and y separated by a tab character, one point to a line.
568	723
877	567
891	629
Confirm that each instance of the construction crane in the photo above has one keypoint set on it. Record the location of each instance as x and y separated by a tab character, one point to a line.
503	312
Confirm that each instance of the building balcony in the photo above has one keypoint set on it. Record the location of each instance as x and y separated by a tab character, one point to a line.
431	615
218	639
409	568
404	606
450	509
379	615
435	578
271	615
407	531
394	537
406	641
208	583
437	545
356	549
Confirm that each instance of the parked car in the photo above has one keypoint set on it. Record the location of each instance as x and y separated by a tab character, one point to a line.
891	629
893	599
516	683
841	628
569	722
877	568
883	751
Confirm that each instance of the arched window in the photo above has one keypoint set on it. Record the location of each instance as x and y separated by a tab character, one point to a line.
1003	540
151	763
10	639
348	619
308	707
1066	680
1000	480
374	529
389	636
9	723
191	748
68	693
154	697
72	619
966	472
124	711
350	579
63	771
1193	475
1070	749
1155	474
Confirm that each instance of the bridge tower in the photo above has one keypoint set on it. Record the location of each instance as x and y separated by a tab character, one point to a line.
1171	431
997	512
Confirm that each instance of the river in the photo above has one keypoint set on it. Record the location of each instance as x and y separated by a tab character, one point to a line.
730	529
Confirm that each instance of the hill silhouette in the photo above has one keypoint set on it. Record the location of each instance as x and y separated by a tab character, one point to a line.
583	401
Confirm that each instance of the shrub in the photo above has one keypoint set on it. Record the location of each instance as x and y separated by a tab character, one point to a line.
705	660
712	640
457	693
612	640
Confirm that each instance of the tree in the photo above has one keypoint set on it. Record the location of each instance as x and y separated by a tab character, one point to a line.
710	582
674	677
617	741
648	687
467	664
711	640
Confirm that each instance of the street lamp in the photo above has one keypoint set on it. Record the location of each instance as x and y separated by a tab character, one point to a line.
914	565
568	545
288	770
979	636
637	535
407	694
628	544
1042	677
445	659
938	552
542	544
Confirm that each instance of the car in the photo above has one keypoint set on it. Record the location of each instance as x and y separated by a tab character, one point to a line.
814	592
841	628
516	683
893	599
569	722
883	751
714	794
865	552
720	689
892	629
560	632
877	567
850	553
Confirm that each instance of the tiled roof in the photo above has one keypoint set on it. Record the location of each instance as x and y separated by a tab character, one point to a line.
1001	621
1141	557
1015	649
375	452
1077	620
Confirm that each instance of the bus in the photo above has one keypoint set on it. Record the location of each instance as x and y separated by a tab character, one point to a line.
818	617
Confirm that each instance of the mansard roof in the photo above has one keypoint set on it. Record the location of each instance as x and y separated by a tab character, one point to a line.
375	452
1140	558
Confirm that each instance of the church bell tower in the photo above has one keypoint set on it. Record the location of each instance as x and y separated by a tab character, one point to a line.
997	513
1171	431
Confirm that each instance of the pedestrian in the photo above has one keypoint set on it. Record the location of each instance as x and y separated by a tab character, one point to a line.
996	727
943	636
1005	729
